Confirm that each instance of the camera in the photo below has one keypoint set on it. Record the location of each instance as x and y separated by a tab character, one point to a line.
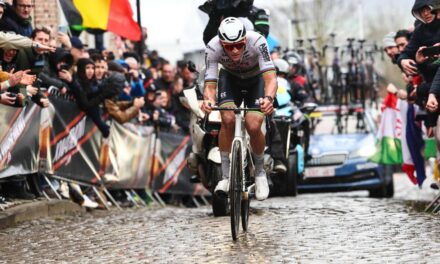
10	94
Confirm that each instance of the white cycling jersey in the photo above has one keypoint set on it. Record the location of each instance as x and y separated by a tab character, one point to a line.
255	60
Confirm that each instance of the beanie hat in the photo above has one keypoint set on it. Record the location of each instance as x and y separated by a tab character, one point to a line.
388	40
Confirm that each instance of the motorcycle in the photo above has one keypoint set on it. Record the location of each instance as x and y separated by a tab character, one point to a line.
293	123
204	160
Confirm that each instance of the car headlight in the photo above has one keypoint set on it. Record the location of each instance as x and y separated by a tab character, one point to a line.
364	152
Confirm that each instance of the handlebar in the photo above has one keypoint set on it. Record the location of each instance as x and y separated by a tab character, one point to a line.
238	109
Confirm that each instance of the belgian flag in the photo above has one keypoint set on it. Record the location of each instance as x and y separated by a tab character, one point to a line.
110	15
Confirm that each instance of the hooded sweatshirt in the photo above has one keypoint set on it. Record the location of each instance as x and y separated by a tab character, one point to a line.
423	35
418	4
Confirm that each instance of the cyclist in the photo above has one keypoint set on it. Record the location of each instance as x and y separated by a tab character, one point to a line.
248	74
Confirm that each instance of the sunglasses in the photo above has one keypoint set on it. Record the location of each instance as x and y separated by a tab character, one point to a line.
231	47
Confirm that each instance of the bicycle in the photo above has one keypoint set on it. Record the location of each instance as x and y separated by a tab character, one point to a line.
241	173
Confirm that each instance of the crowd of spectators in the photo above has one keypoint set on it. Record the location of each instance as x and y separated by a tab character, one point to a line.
147	89
405	49
128	87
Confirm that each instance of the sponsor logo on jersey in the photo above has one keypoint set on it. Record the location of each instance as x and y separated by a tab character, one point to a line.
264	51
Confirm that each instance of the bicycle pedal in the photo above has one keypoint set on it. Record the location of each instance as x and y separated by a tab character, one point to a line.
251	189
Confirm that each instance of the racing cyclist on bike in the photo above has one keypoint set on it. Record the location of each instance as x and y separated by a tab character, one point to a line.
248	74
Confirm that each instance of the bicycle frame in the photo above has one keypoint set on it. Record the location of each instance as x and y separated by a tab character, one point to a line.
241	136
239	187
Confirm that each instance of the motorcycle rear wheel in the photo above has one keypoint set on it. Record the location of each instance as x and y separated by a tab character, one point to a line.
220	205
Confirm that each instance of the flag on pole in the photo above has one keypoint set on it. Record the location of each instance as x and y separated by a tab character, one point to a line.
416	144
400	139
110	15
389	149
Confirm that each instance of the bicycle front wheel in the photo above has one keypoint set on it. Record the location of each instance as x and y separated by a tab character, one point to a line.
235	188
245	205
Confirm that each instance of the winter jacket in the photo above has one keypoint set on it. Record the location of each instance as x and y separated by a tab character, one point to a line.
424	35
12	22
84	101
14	41
121	111
4	76
418	4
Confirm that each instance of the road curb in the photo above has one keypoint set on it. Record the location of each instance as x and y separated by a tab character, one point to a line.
36	210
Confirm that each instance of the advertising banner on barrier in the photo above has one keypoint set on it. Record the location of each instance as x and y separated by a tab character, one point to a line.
129	156
74	143
171	174
61	140
19	140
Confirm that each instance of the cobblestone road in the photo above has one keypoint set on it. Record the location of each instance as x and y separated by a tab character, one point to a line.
323	228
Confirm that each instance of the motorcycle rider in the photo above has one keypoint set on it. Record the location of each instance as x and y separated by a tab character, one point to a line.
217	10
247	66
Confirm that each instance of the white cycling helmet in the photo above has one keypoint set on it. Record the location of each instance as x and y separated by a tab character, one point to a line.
281	65
231	30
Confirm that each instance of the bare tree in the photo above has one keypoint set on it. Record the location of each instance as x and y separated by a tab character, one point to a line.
312	19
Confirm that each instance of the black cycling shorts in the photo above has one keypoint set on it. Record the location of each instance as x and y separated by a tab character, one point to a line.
232	89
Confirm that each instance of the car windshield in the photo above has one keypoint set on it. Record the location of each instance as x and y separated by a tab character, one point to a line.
328	122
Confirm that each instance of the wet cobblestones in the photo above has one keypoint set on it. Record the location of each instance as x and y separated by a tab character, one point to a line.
312	228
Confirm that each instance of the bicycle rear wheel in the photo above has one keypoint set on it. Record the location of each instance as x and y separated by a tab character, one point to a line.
235	188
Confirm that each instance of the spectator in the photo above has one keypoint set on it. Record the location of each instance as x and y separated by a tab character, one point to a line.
78	50
135	77
87	94
10	80
187	75
14	41
8	63
101	68
166	78
17	18
38	62
155	62
113	66
59	71
121	111
401	39
390	47
160	116
180	110
294	75
427	34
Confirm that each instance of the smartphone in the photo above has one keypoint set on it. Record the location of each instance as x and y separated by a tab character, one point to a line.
431	51
12	94
62	29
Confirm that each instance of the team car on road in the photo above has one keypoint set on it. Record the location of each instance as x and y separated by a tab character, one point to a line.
338	154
